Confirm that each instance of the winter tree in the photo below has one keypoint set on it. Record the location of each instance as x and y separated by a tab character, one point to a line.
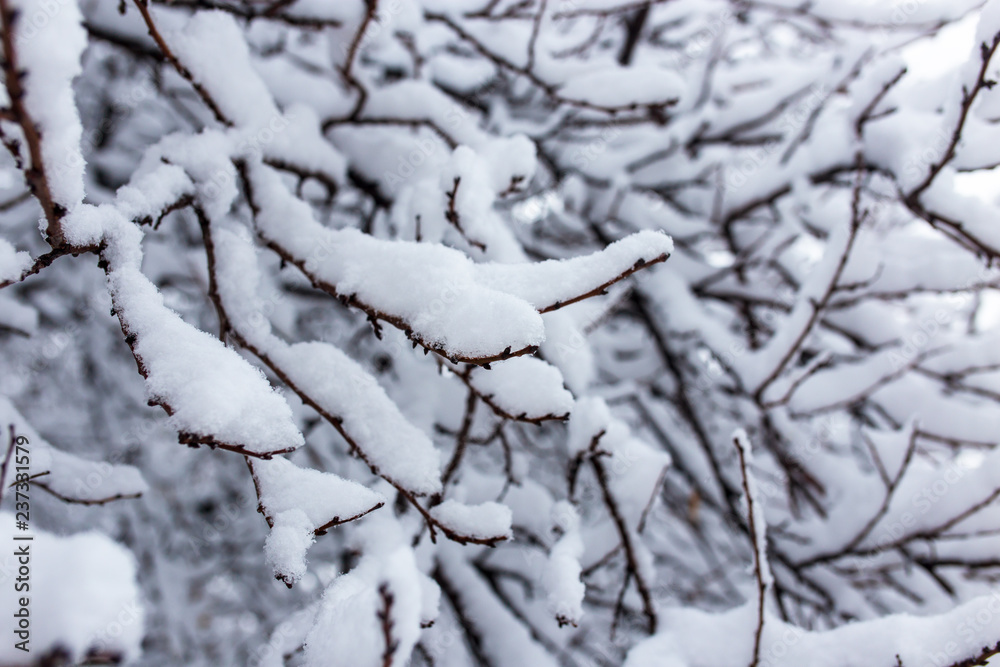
500	332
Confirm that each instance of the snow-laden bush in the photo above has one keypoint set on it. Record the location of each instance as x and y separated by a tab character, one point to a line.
506	332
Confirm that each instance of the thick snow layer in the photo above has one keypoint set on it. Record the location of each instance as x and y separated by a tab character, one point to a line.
151	190
430	289
213	49
465	309
544	284
49	43
321	496
523	386
338	385
213	393
82	593
349	631
691	638
391	444
484	521
295	139
285	547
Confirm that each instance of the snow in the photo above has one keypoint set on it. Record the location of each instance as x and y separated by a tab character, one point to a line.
691	637
590	417
348	629
622	87
13	264
151	190
344	12
508	158
337	384
391	444
49	43
83	595
287	638
503	639
295	138
637	470
562	570
213	393
523	386
430	600
458	218
634	468
988	25
489	170
754	503
285	548
772	358
213	49
17	316
67	475
567	349
322	497
484	521
545	284
444	307
418	100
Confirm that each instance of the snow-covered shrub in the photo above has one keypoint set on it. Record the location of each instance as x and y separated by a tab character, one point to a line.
508	332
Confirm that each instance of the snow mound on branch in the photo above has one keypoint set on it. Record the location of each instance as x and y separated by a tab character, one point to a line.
524	386
300	503
339	385
83	595
563	569
212	47
212	391
464	310
12	262
49	39
505	641
391	444
547	284
370	617
691	637
321	496
622	87
484	521
285	547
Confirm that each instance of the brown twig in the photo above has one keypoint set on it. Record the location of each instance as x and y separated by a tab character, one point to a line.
6	459
147	17
758	566
35	174
463	436
385	623
453	217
